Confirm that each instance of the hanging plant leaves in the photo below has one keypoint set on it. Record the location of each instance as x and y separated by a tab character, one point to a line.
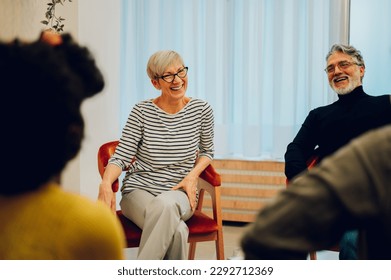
52	21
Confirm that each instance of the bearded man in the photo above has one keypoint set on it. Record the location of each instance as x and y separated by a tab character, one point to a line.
328	128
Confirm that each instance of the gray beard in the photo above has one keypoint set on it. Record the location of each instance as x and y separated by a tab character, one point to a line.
346	90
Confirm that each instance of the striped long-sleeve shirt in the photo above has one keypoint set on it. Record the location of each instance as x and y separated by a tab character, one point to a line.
164	146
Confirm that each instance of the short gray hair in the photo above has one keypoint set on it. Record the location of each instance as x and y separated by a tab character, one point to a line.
160	61
349	50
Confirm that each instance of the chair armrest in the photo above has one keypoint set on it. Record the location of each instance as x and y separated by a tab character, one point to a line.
210	182
115	186
312	161
211	176
104	154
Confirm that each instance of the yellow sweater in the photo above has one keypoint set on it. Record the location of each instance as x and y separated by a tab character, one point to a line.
53	224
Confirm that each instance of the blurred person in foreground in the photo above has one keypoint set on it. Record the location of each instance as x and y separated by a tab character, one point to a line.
349	190
43	84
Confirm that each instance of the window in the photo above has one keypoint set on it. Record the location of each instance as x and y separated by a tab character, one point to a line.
258	63
369	34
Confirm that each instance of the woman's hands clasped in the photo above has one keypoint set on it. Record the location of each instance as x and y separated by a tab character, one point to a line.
189	184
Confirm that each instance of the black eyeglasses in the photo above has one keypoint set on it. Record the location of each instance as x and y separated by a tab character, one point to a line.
171	77
342	65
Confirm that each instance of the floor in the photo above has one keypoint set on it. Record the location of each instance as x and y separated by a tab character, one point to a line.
232	233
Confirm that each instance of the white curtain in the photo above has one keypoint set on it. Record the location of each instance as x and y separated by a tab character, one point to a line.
259	63
369	32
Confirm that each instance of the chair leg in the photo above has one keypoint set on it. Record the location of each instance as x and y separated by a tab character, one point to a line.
219	246
192	248
313	256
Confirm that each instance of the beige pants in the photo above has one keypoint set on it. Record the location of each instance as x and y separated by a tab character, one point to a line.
162	219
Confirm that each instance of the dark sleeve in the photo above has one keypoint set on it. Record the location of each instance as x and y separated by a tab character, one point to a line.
302	147
302	218
346	191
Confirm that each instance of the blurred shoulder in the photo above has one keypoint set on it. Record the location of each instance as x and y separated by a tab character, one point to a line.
376	137
96	227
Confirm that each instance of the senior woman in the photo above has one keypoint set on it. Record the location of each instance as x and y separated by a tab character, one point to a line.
171	139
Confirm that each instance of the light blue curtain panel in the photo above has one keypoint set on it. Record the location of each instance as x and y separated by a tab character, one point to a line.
370	33
258	63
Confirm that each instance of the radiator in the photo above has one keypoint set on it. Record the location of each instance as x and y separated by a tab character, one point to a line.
246	187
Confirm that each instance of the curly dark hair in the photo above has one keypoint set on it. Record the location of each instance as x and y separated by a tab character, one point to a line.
42	89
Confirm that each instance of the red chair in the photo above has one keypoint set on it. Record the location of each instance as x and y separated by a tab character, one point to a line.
201	226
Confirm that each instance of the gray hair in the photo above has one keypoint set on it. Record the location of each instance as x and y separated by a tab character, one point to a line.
349	50
160	61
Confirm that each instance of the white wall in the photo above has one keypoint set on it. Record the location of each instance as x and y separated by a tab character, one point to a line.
99	28
21	18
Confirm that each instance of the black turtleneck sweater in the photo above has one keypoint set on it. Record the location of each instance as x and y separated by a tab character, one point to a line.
328	128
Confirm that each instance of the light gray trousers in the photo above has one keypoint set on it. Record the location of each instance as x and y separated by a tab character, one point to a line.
162	219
